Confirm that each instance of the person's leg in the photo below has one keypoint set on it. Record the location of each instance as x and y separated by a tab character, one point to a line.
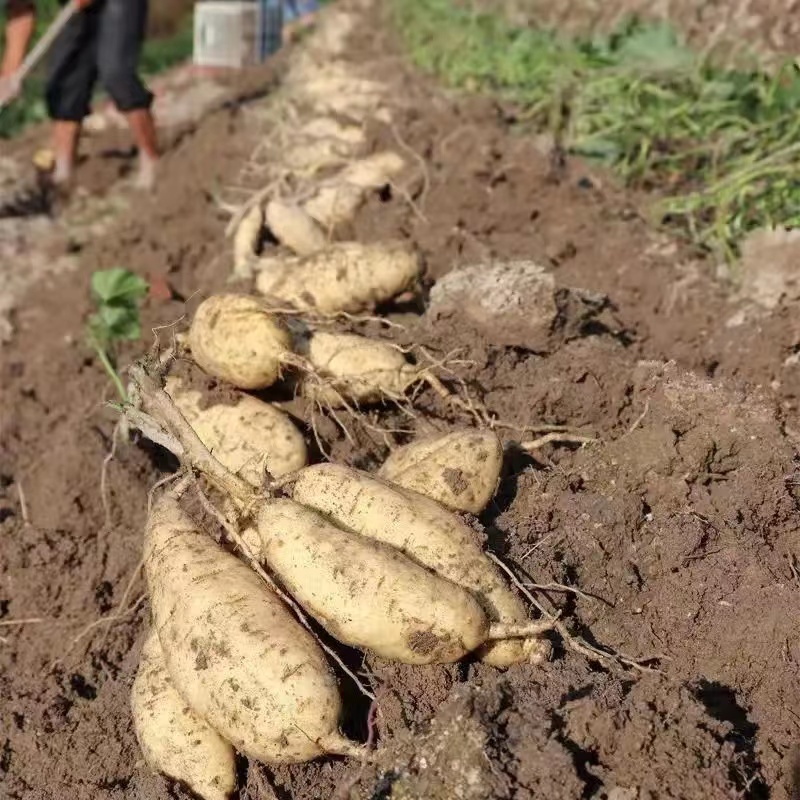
123	24
71	79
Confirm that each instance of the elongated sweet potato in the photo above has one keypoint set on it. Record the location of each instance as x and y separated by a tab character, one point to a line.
176	741
331	128
425	531
245	242
345	276
367	594
294	228
234	651
460	469
337	202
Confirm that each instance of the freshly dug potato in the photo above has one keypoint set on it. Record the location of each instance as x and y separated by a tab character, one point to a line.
460	469
365	593
294	228
249	438
346	276
308	158
375	171
236	338
336	204
245	242
331	128
352	368
234	651
174	740
426	532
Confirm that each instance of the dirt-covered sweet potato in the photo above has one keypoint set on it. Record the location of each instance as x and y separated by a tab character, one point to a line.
460	469
233	650
250	437
345	276
352	369
425	531
174	740
236	338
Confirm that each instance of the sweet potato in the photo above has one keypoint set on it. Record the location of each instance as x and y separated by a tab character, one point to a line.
353	369
245	242
236	338
331	128
346	276
309	158
460	469
426	532
336	203
234	651
294	228
174	740
375	171
365	593
249	438
343	94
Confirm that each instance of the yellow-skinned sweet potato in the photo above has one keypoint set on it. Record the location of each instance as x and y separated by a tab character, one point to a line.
175	741
460	469
236	338
426	532
233	650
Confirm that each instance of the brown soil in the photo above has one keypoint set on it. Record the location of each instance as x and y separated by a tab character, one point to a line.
680	525
749	29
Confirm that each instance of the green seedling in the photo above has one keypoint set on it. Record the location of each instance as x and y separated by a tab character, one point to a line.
116	294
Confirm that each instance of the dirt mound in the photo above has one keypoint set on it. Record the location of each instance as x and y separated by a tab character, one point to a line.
669	544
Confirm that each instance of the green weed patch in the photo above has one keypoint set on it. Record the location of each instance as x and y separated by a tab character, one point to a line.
722	145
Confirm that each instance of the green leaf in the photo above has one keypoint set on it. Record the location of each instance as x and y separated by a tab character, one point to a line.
118	286
605	150
655	47
120	322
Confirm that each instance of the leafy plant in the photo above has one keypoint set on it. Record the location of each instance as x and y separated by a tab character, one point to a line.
723	144
116	294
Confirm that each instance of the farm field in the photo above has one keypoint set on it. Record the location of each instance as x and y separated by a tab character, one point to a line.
608	280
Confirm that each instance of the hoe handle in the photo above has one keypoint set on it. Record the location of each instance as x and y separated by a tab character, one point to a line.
41	47
48	37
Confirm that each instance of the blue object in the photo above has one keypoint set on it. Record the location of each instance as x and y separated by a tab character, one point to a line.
293	9
270	27
272	16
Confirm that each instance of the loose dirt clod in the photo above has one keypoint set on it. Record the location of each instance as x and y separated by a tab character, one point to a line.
516	304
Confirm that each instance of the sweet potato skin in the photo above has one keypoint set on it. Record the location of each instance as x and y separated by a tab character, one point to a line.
236	338
367	594
234	651
428	533
174	740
